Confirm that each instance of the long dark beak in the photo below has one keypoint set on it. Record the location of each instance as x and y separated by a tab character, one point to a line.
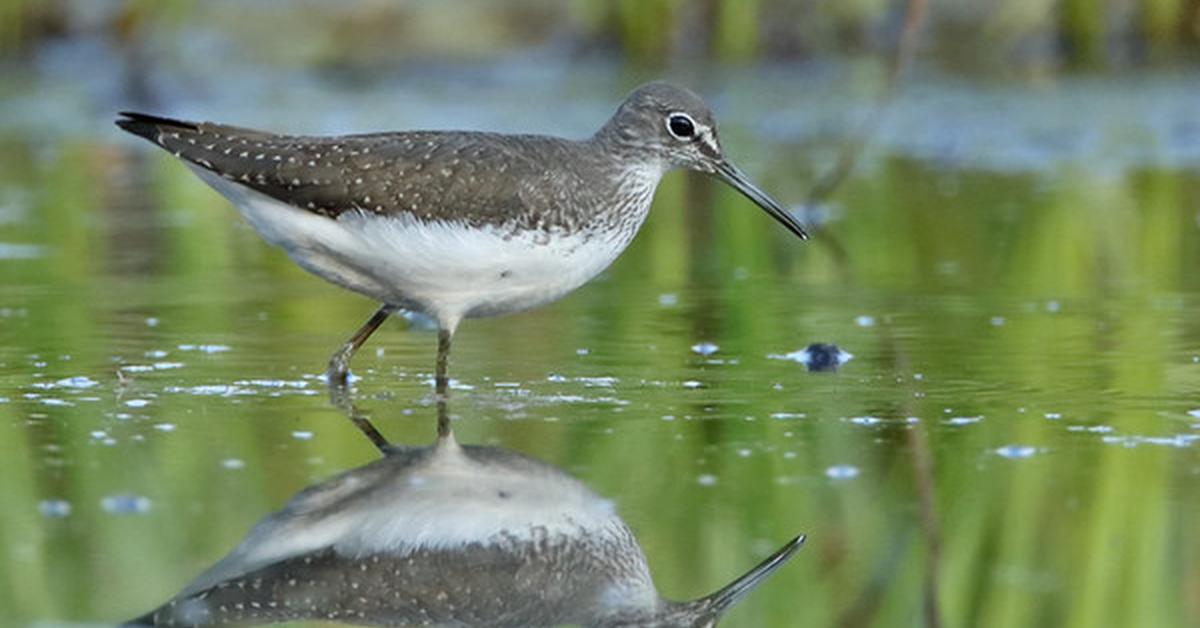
729	173
719	602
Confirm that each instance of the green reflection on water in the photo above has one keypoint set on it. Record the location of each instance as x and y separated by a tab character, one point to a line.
1059	307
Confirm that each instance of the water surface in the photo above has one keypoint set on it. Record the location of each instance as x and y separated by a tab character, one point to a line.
1014	273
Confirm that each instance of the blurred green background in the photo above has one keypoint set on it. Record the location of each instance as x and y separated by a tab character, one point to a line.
1013	264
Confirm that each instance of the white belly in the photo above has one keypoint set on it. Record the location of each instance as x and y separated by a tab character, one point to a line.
445	270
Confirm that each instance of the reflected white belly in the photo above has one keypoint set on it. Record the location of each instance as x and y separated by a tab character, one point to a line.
445	270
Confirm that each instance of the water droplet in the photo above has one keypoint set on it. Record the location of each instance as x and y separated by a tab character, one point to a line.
1016	451
841	472
54	508
204	348
125	504
77	382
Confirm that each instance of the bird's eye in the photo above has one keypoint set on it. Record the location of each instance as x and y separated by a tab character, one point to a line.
681	126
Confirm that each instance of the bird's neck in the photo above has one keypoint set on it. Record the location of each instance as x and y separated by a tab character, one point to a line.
623	143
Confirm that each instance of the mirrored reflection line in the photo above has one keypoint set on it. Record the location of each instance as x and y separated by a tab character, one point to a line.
340	397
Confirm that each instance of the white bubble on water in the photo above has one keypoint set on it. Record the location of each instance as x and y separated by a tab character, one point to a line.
691	383
1195	414
1015	451
704	348
125	504
1053	306
864	321
744	453
706	479
1178	441
667	300
54	508
137	368
165	427
963	420
233	463
841	472
78	381
137	403
1053	416
205	348
865	420
302	435
997	321
274	383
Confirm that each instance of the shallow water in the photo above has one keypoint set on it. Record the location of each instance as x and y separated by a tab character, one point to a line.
1014	274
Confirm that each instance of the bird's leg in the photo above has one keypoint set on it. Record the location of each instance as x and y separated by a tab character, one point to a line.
338	363
441	381
364	424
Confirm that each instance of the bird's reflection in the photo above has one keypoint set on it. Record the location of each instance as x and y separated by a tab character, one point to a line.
447	534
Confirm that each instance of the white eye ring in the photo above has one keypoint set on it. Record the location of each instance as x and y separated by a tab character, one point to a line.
681	126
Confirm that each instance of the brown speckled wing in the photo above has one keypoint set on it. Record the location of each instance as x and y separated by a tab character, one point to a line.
471	177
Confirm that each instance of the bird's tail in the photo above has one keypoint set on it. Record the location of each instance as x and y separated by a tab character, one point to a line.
150	127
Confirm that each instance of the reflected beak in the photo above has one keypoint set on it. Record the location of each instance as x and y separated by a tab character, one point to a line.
720	601
729	173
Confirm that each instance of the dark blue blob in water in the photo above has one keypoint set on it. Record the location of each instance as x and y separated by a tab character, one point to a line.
823	357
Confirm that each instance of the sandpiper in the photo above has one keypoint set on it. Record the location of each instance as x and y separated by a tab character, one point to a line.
447	535
456	224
